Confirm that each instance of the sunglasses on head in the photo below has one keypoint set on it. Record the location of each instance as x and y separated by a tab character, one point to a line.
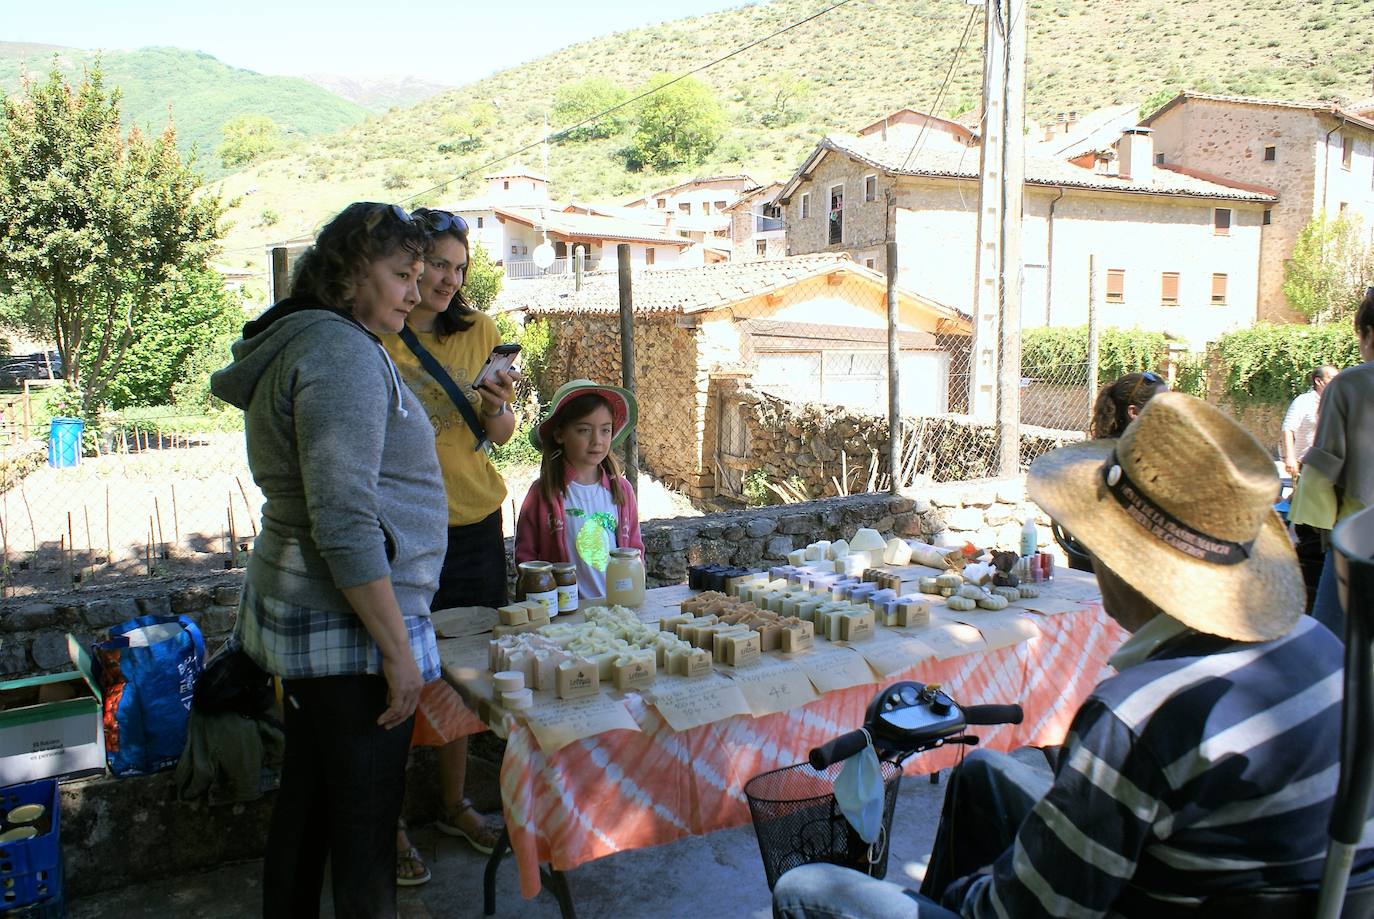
1147	376
395	211
443	221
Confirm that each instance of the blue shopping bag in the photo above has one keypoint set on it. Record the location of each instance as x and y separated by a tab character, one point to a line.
147	671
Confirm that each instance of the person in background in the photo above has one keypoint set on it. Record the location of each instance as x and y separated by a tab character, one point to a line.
439	353
1206	764
1338	470
581	507
335	601
1299	427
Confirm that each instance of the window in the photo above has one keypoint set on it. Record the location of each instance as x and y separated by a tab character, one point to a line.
1344	205
685	207
871	263
1271	153
1168	288
805	206
479	223
721	205
663	203
836	218
1116	285
705	208
1347	151
761	247
1219	289
870	188
514	249
649	256
505	186
1221	221
1268	216
1159	159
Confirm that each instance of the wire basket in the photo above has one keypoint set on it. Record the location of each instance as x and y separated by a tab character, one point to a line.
798	822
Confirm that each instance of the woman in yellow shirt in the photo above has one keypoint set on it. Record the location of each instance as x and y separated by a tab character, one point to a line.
439	354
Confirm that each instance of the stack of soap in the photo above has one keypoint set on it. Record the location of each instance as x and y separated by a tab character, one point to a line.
525	616
635	670
907	612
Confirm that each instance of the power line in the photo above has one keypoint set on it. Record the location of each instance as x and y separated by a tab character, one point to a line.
954	62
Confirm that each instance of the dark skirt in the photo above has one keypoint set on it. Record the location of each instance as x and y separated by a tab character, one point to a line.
474	572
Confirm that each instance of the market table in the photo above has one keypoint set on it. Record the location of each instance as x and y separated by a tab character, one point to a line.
569	799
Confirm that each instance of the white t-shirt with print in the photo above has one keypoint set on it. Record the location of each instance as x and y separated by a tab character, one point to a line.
590	517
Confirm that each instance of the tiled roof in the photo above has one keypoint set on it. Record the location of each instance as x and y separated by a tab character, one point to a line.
590	226
1349	113
892	157
685	290
517	172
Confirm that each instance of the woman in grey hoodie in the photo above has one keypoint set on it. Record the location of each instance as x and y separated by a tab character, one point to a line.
336	598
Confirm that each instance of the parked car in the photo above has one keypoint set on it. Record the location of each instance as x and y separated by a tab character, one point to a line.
30	367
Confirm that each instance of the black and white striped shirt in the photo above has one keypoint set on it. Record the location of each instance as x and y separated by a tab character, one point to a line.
1209	766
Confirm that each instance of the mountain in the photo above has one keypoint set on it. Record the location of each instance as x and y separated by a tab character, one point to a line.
853	64
202	92
378	94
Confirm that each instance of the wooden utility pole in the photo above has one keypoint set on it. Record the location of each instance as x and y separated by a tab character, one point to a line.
995	393
894	398
1092	338
627	357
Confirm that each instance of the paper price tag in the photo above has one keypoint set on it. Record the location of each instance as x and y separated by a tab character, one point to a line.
889	653
556	723
832	668
686	704
774	686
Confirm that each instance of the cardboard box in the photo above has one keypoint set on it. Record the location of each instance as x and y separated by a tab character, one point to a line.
52	725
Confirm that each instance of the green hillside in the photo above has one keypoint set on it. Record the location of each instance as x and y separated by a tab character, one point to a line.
203	93
855	63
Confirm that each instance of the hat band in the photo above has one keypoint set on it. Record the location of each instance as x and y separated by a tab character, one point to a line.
1164	526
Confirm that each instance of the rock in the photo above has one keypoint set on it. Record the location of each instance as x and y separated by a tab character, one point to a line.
160	605
984	538
215	619
778	547
190	599
966	518
980	497
14	657
948	539
760	526
1011	492
1009	537
908	525
998	514
710	533
671	568
28	616
49	651
883	524
680	539
227	596
796	524
101	614
732	533
922	505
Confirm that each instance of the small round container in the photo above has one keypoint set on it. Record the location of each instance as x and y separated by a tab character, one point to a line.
519	700
18	833
508	681
25	813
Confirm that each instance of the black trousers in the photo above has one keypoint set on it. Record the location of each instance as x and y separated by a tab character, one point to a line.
474	572
341	790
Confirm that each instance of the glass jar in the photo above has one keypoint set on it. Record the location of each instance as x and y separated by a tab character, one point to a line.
565	576
625	578
536	583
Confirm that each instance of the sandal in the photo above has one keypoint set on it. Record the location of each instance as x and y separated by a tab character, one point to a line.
406	863
483	837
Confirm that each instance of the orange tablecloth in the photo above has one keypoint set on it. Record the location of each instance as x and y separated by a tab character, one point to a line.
628	790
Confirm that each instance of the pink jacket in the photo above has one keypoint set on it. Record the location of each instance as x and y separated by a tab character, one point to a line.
539	529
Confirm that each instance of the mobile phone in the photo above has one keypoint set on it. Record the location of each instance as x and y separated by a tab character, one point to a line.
501	358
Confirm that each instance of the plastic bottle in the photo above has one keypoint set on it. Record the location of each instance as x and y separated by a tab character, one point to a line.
1030	539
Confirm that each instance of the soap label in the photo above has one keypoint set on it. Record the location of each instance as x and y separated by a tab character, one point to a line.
622	584
547	599
567	598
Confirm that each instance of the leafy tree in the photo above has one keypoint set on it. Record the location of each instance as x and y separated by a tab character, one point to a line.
247	139
1155	101
677	126
1330	268
775	100
94	227
180	343
466	128
483	280
581	99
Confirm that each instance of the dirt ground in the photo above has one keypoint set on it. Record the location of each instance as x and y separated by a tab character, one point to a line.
183	492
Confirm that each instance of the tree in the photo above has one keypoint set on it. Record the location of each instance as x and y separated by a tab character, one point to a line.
1330	269
95	228
483	280
678	125
776	99
247	139
467	127
180	343
577	101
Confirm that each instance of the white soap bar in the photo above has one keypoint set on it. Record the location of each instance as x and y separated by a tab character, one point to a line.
867	540
508	681
898	552
519	700
796	557
838	549
813	553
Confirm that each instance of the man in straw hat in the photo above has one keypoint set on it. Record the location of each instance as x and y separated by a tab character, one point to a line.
1208	763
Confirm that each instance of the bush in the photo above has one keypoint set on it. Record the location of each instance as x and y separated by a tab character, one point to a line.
1269	363
518	451
1060	355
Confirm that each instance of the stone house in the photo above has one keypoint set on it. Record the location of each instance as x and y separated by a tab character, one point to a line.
1317	156
756	226
699	197
1177	251
810	329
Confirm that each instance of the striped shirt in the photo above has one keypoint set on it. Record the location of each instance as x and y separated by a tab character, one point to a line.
297	642
1209	766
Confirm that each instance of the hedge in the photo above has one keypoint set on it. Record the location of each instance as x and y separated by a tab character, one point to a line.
1269	363
1060	355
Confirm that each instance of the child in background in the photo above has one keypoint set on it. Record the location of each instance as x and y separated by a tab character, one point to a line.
581	507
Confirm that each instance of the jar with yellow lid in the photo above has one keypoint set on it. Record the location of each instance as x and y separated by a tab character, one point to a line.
625	578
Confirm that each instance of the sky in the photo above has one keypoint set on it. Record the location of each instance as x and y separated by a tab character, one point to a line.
450	43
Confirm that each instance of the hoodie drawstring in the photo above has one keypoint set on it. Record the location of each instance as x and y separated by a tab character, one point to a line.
395	381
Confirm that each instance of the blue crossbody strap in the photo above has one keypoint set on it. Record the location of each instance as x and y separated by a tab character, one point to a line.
436	370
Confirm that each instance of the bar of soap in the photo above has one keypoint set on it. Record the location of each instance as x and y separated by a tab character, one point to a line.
770	635
856	626
519	700
813	553
635	673
796	557
578	678
837	549
719	639
508	681
798	637
912	613
867	539
513	615
898	552
742	649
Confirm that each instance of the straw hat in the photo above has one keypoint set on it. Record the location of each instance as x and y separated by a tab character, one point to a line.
624	410
1181	508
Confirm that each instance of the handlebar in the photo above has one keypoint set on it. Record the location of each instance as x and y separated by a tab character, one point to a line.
842	747
993	714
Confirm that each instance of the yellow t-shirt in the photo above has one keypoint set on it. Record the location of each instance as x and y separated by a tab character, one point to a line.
475	489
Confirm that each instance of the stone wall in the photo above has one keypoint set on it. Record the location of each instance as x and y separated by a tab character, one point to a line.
672	391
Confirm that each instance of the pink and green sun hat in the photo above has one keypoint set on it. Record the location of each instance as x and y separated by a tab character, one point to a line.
624	410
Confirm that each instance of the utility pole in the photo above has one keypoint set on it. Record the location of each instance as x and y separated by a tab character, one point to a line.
995	390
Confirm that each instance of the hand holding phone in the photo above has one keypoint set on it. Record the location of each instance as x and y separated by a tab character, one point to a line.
501	359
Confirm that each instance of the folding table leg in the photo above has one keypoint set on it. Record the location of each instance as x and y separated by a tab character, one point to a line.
489	876
557	883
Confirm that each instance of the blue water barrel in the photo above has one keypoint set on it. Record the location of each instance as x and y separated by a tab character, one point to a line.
64	442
